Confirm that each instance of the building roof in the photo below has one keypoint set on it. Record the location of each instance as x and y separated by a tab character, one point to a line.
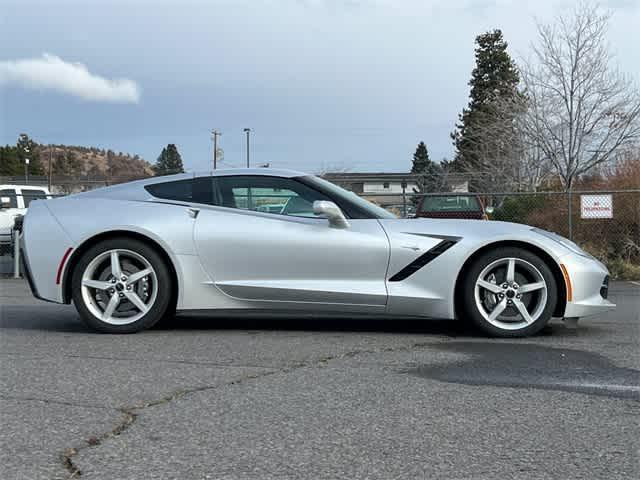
372	176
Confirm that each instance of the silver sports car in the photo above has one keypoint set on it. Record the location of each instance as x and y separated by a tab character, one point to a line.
276	241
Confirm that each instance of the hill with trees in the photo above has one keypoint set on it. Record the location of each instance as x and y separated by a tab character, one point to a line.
70	161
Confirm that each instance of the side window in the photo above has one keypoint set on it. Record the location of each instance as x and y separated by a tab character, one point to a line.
283	196
11	193
28	195
192	190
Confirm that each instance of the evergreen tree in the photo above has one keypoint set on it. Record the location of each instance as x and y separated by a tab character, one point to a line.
26	148
169	161
9	163
429	173
66	163
421	159
494	81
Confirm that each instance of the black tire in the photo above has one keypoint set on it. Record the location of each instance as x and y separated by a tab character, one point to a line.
162	304
467	300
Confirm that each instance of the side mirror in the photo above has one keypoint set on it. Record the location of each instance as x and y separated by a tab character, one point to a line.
5	202
332	212
489	210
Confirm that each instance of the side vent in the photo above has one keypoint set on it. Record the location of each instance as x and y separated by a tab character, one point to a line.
604	290
422	260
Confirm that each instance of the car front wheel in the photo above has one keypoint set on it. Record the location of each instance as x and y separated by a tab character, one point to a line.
509	292
121	286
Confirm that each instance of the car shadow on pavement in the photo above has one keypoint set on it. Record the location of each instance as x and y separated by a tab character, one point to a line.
318	323
47	317
315	324
63	318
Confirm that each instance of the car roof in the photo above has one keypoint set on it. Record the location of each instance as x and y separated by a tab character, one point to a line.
135	190
225	172
30	187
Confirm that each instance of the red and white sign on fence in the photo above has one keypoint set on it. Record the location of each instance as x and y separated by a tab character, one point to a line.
596	206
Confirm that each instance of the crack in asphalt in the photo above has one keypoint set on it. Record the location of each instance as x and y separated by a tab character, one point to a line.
130	413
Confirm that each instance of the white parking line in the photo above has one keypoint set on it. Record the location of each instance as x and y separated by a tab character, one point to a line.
635	283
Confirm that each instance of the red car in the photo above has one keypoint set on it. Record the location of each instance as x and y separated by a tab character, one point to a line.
467	206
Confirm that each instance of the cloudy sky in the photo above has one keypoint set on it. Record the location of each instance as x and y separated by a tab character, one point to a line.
323	83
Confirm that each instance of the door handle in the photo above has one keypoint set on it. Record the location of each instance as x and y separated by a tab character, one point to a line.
193	212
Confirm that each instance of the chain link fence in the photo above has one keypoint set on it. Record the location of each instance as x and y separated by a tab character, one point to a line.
605	223
66	184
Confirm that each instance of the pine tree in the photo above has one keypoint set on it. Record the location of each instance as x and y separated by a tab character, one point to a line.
421	159
494	80
28	149
9	163
429	173
169	161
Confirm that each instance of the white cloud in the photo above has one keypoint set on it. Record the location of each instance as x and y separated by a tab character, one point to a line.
50	72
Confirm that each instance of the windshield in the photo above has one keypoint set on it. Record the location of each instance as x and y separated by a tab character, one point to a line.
31	194
454	203
342	196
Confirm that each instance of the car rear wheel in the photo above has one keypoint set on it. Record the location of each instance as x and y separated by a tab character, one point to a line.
121	286
509	292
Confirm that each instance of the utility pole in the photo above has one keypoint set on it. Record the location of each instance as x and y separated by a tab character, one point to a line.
404	198
50	167
247	131
215	134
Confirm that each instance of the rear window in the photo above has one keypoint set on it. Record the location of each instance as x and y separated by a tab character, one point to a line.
192	190
454	203
28	195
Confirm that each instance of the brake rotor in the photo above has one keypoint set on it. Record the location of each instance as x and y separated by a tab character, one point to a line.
490	299
141	288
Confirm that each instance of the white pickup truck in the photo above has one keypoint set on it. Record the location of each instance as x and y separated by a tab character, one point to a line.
14	201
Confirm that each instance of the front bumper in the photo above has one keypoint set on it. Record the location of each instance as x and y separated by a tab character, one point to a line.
589	285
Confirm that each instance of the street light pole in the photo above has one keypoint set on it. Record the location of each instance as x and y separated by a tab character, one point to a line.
215	134
247	131
26	165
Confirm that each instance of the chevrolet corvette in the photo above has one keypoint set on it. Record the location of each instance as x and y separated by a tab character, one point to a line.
282	242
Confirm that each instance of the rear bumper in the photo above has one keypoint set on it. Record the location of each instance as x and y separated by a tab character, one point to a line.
24	265
589	284
43	244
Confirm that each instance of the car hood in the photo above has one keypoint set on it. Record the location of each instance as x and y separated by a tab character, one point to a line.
454	227
470	235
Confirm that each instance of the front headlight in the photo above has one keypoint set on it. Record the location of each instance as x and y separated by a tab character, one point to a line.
565	242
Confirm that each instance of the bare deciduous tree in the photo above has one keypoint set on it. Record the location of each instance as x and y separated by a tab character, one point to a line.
581	109
333	168
507	156
495	145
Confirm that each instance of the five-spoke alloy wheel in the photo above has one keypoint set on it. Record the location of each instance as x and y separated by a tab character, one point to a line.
509	292
121	286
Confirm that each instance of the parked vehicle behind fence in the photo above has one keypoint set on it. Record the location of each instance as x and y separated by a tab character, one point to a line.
461	206
14	201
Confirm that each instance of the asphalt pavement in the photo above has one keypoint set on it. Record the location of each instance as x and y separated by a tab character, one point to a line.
203	398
